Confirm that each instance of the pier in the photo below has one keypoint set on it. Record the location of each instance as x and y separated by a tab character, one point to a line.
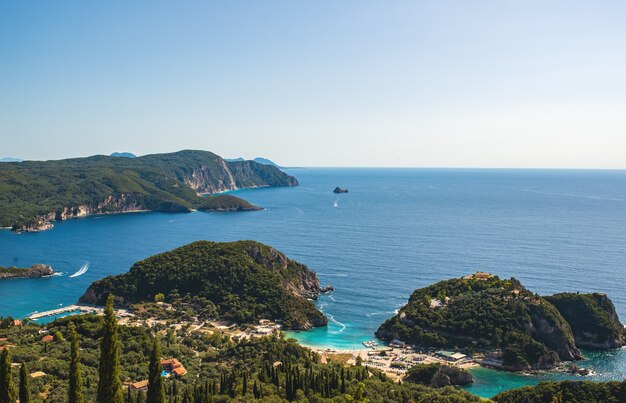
67	309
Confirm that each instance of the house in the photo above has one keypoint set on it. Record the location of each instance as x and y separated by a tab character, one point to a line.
180	371
37	374
479	275
3	339
449	355
174	366
47	338
141	385
17	323
435	304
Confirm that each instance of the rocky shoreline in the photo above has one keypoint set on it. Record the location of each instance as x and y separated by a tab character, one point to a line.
35	271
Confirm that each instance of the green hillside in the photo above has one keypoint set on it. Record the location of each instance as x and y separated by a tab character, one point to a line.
566	391
226	203
489	314
33	193
242	281
593	319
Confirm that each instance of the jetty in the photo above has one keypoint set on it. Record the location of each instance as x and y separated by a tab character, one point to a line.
67	309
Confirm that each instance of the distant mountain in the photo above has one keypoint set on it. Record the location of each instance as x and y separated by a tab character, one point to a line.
35	193
265	161
10	159
258	160
124	155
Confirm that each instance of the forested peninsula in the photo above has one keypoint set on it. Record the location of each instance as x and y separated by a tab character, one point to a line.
518	329
242	281
33	194
35	271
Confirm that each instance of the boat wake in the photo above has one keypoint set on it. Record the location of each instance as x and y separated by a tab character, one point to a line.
81	271
336	322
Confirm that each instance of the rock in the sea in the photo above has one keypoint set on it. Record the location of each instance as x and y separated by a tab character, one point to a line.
35	271
340	190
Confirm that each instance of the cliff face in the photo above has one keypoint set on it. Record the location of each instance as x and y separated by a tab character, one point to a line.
245	280
550	328
593	319
298	278
124	203
35	271
59	190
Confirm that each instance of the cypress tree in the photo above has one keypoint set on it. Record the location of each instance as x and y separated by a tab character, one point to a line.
75	393
109	384
244	387
156	393
7	389
24	392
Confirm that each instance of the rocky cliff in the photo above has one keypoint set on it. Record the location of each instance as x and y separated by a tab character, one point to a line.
593	319
35	271
245	280
37	193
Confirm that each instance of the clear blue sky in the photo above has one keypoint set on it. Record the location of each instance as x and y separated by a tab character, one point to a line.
496	83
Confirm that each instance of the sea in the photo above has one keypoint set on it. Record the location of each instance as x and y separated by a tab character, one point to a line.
394	231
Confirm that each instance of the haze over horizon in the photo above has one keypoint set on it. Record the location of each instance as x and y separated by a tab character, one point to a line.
530	84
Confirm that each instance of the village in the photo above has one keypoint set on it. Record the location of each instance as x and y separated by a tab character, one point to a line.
394	359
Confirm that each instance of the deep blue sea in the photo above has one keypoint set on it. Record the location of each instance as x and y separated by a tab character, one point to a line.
396	230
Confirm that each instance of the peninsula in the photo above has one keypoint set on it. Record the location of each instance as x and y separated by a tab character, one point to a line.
36	193
242	282
513	327
226	203
35	271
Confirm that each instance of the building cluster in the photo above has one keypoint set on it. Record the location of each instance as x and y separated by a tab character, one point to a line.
174	367
479	275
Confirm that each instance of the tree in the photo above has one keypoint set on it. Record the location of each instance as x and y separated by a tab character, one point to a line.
75	392
24	392
156	393
7	389
109	384
244	386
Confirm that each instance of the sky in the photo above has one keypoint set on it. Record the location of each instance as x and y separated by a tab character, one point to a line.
497	83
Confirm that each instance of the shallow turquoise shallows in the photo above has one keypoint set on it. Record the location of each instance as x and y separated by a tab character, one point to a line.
396	230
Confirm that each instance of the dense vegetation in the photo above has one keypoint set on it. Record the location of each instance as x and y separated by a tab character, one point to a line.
567	391
37	270
33	192
242	281
269	369
593	319
486	314
438	375
223	203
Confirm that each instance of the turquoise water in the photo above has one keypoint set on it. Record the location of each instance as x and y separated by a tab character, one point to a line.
397	230
605	366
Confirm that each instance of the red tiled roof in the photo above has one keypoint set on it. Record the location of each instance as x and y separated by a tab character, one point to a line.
139	385
180	371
